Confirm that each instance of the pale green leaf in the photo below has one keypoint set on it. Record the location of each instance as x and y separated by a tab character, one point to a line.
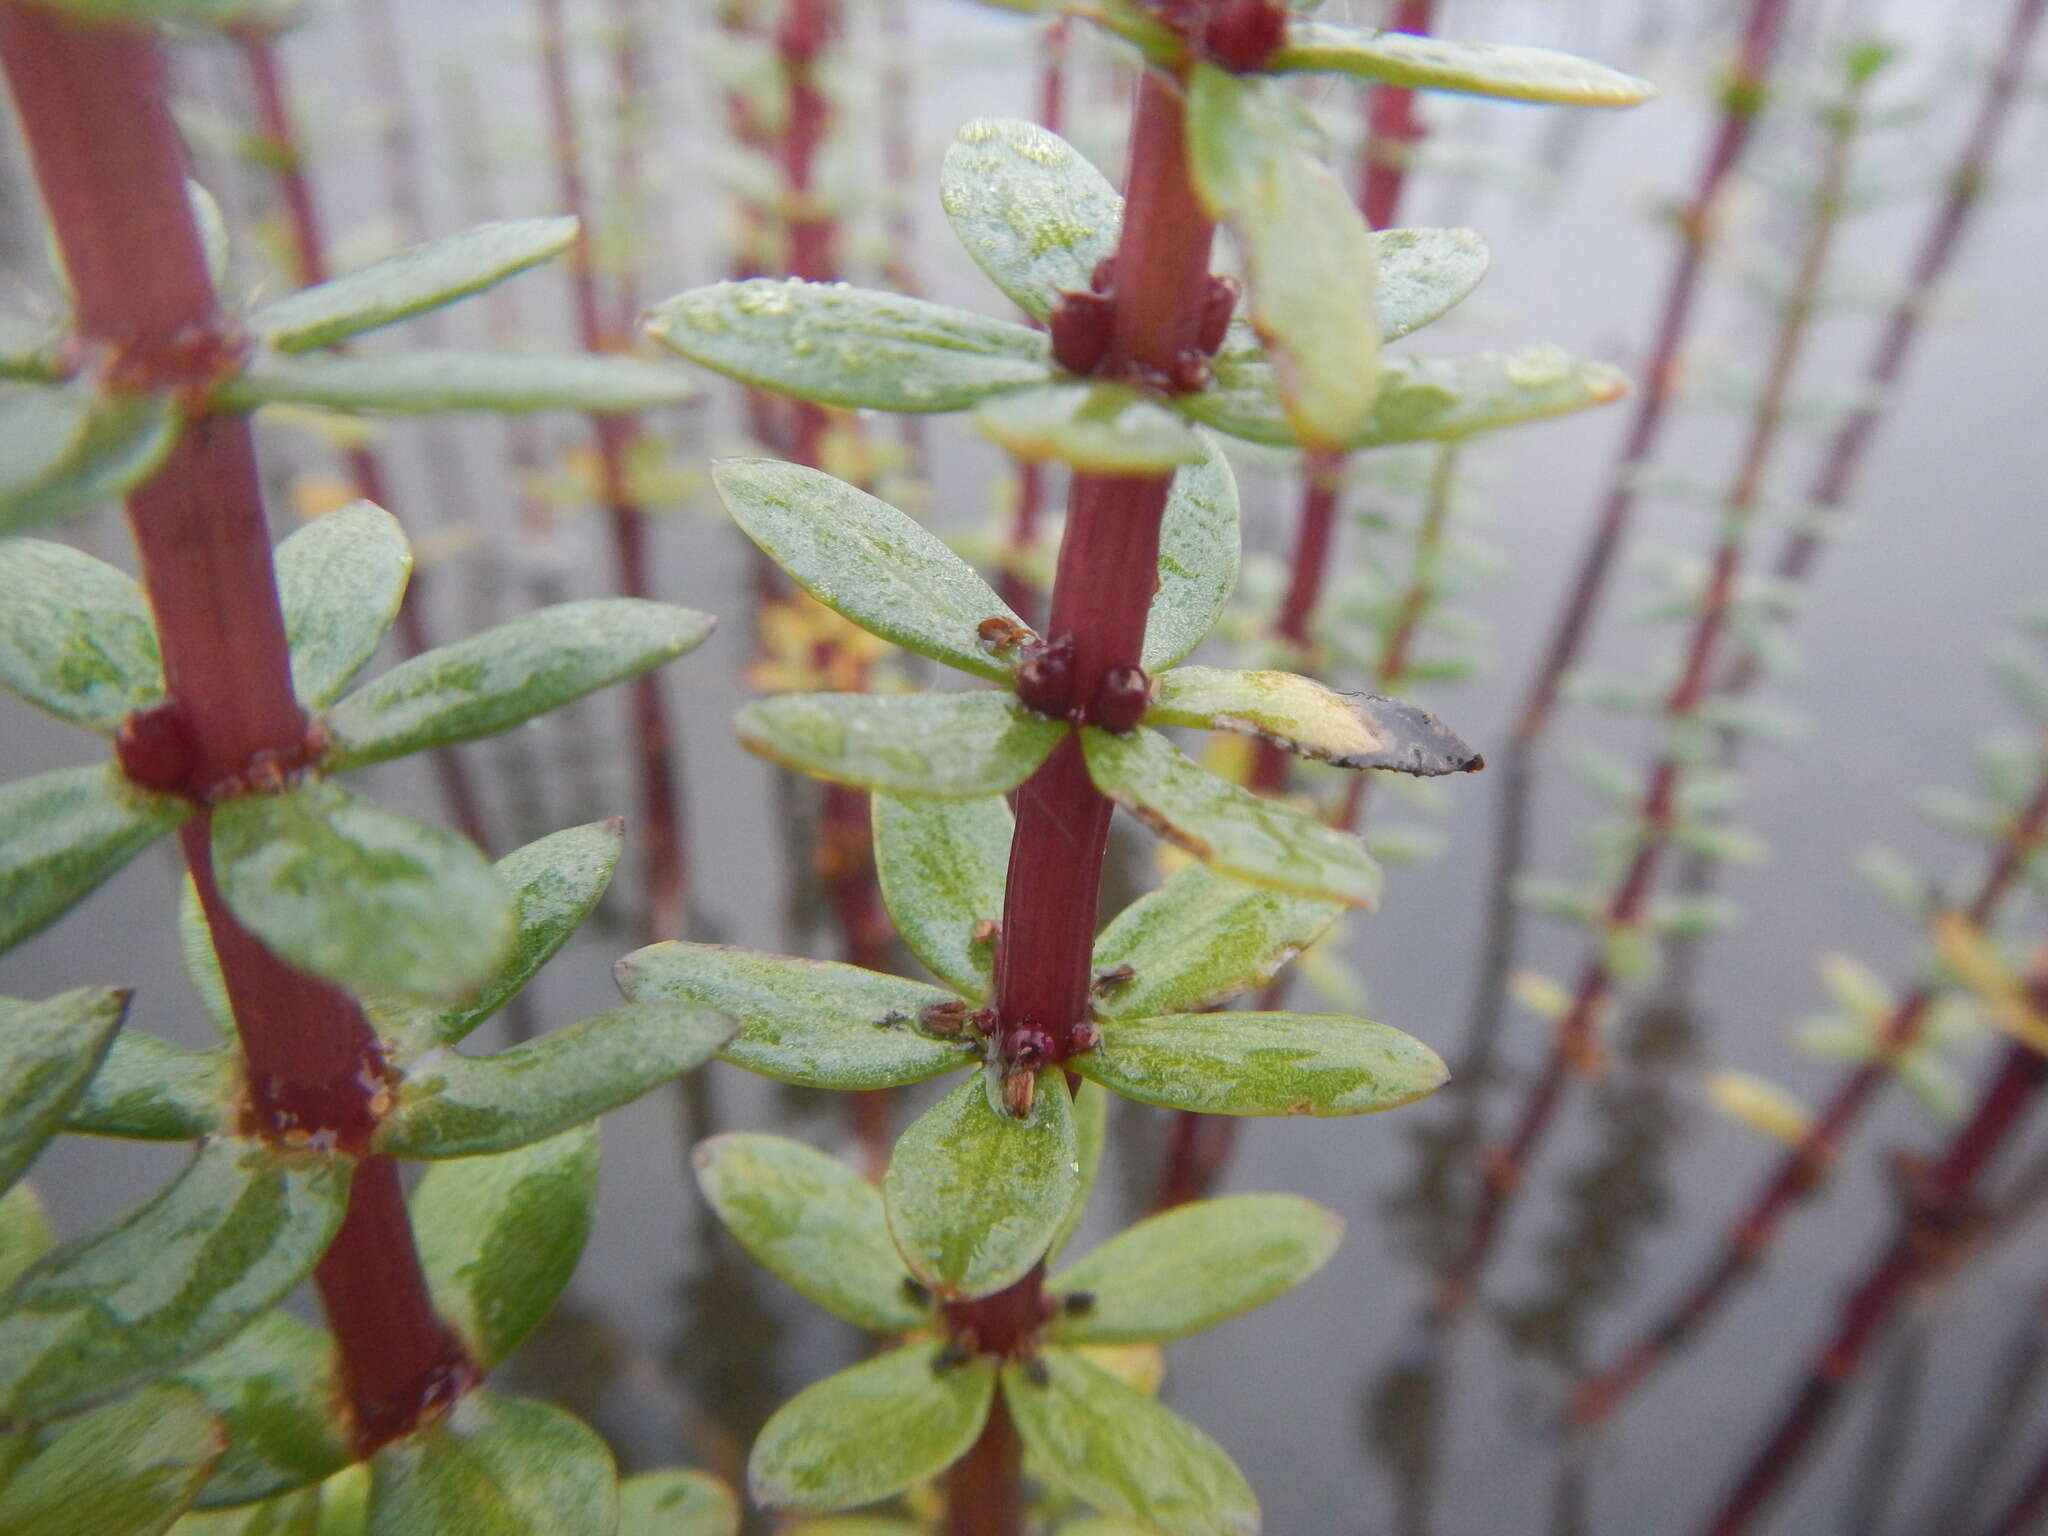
1228	828
345	1502
677	1504
41	428
496	1466
500	1236
1091	1136
861	557
952	745
197	958
974	1196
1307	253
851	347
433	382
48	1053
460	1106
1303	716
277	1388
1415	62
1031	211
1193	1267
213	234
420	278
813	1022
360	895
1320	1064
127	1469
1423	274
76	638
813	1221
871	1431
31	349
508	674
148	1089
62	833
859	1525
289	1514
1200	938
340	579
25	1234
1091	425
1124	1453
172	1281
122	439
942	865
1199	548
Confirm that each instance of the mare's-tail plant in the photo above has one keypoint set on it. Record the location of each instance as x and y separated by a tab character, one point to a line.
1141	349
344	949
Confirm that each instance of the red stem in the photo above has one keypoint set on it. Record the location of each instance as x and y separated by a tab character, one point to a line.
1392	130
92	105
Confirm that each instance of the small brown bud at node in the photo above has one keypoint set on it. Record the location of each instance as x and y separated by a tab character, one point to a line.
987	931
1036	1373
1078	1303
1079	326
1245	34
920	1295
1219	302
946	1019
1045	677
1116	976
1190	372
1020	1087
1120	699
1085	1037
155	749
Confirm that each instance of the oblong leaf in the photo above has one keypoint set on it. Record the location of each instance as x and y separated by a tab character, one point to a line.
434	382
148	1089
128	1468
289	1514
496	1466
1029	208
1416	62
1092	425
1124	1453
1199	548
942	865
25	1234
850	347
861	557
461	1106
76	639
1193	1267
975	1196
870	1431
63	833
951	745
170	1282
1200	938
48	1053
1422	274
277	1388
508	674
677	1504
124	438
1302	716
340	579
1091	1136
414	280
813	1022
813	1221
1228	1063
360	895
500	1236
41	428
1308	255
1227	828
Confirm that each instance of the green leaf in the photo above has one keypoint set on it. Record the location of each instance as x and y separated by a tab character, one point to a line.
48	1053
677	1504
340	578
813	1221
197	13
496	1466
1029	208
1199	546
277	1388
1202	937
433	382
42	428
213	234
1423	274
360	895
1415	62
871	1431
1193	1267
1091	1135
1119	1451
290	1514
952	745
237	1230
942	865
1320	1064
127	1469
31	349
850	347
1307	253
25	1234
1420	399
974	1196
1301	715
460	1106
1227	828
813	1022
1091	425
500	1236
120	443
75	635
862	558
858	1525
63	833
150	1090
420	278
508	674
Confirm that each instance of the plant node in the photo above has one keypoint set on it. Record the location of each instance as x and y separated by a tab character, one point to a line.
1121	698
1045	677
